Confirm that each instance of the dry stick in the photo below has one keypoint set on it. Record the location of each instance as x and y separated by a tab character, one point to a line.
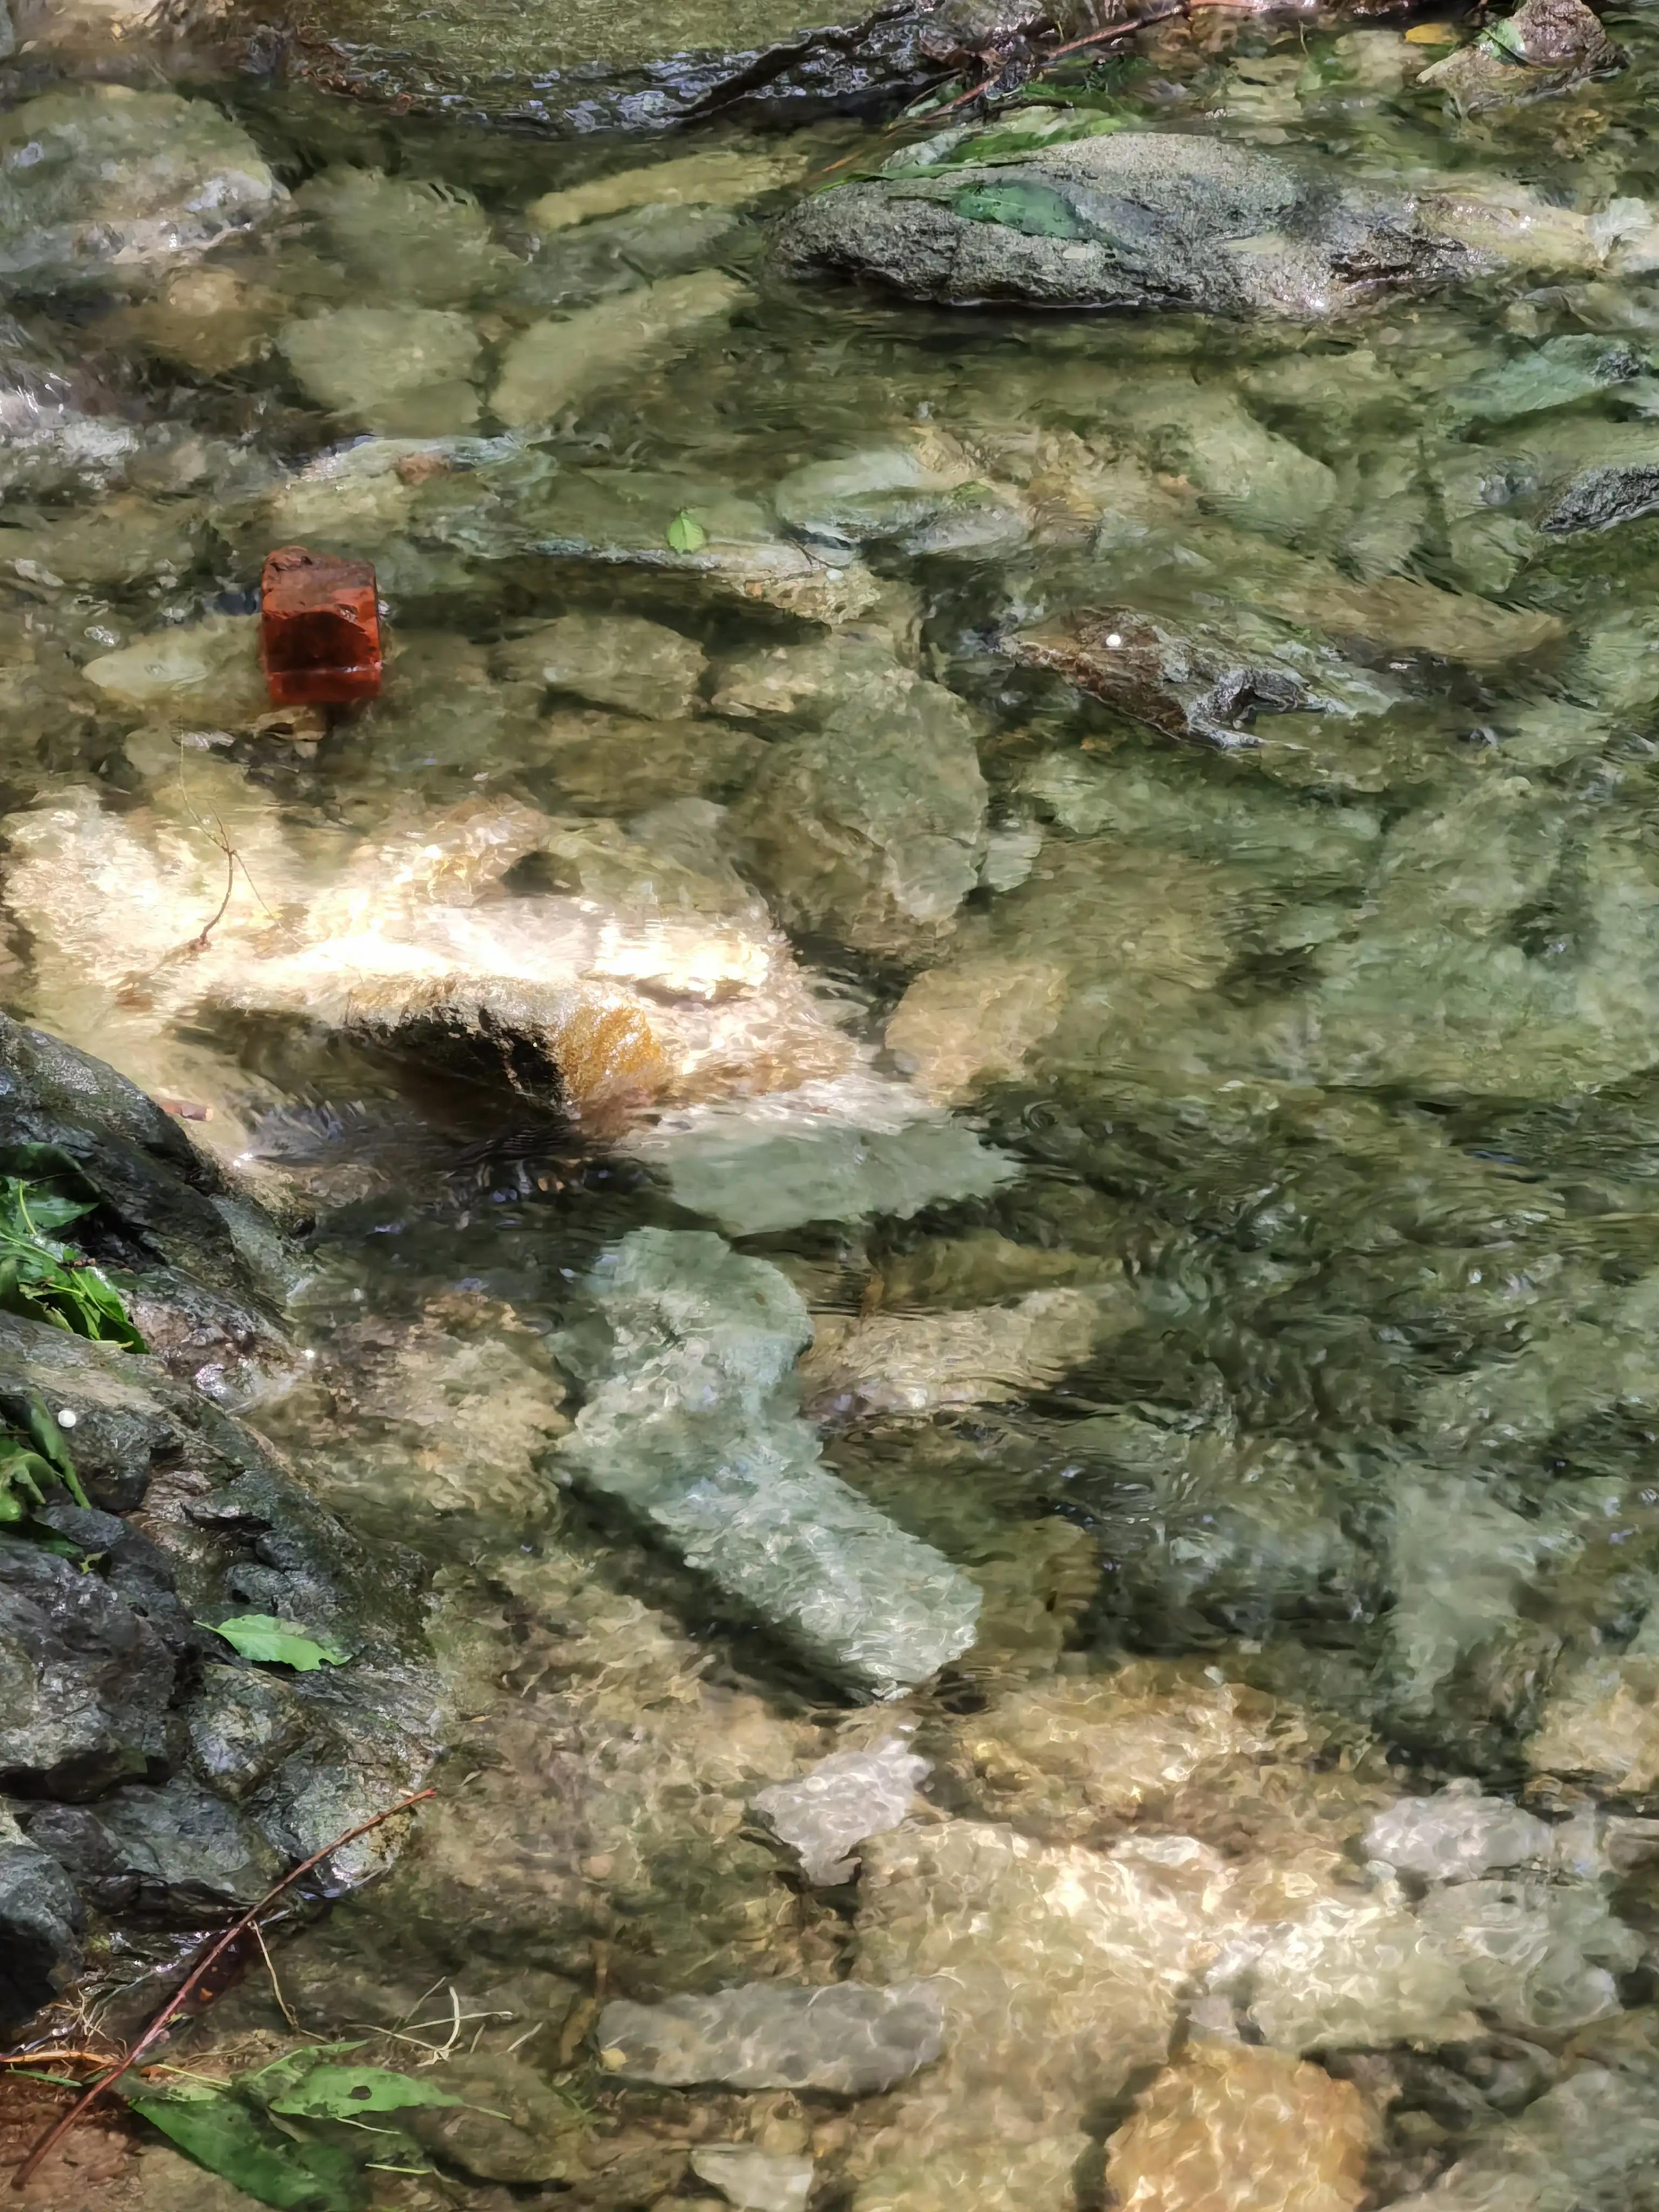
181	1997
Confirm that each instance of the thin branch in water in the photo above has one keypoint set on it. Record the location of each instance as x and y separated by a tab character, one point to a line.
193	1982
282	2004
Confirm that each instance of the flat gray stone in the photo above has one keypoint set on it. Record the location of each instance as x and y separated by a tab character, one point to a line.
848	2038
692	1426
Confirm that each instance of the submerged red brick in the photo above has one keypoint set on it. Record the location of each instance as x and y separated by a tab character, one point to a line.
319	629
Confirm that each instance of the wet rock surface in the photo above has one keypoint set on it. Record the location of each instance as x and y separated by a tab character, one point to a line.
579	69
152	1780
1123	220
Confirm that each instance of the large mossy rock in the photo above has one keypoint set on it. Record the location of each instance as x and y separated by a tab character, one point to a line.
1126	219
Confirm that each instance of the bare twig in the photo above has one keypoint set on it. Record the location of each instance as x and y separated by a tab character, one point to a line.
282	2004
193	1982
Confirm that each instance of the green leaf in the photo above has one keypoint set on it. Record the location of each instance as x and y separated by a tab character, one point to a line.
231	2140
344	2092
686	534
1034	209
48	1439
261	1636
282	2073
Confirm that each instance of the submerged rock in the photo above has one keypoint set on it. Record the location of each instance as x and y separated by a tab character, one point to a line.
1227	2129
103	186
754	2180
556	364
918	1363
870	826
850	2039
843	1801
1131	219
691	1427
1543	47
1456	1835
1590	2140
722	176
643	976
841	1149
406	372
609	661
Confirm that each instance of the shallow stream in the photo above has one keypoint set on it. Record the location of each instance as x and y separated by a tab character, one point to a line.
1218	1148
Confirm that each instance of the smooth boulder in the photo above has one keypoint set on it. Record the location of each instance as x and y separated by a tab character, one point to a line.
1128	219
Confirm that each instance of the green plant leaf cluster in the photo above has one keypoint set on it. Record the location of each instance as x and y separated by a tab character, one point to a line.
685	533
34	1460
293	2135
46	1281
262	1637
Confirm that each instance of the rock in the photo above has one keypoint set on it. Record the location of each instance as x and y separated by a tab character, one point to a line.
720	177
176	1851
87	1682
406	372
243	1724
1600	1726
555	365
523	502
1616	480
918	1363
849	2038
843	1801
208	669
40	1924
101	1666
1537	1957
1131	219
1456	1835
641	977
1227	2129
510	2126
1356	1971
165	1212
415	244
102	186
838	1151
1555	374
691	1425
923	500
754	2181
870	828
630	66
609	661
1590	2140
1555	43
961	1028
1058	1969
